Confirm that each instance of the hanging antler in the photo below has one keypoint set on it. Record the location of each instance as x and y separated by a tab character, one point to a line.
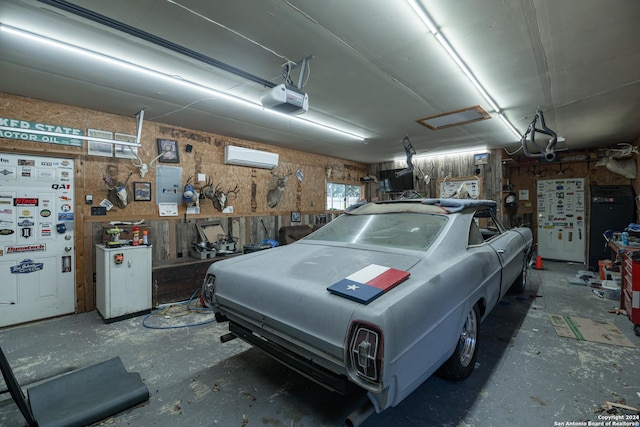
208	190
143	168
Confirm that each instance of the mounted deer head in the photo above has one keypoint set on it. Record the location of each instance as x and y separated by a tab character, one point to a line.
143	168
118	194
220	197
624	167
274	195
617	160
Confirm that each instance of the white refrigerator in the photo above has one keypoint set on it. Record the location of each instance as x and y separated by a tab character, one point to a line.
561	219
123	281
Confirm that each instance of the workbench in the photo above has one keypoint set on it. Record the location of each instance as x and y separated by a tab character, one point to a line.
177	279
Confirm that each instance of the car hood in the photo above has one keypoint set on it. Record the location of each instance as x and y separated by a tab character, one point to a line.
283	291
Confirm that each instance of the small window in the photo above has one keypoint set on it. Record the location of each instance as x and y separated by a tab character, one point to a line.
488	224
475	236
341	196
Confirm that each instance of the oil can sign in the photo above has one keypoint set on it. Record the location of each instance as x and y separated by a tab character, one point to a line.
26	266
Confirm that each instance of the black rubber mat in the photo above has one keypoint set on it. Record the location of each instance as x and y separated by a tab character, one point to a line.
86	396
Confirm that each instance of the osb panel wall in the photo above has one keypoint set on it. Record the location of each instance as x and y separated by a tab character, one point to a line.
251	214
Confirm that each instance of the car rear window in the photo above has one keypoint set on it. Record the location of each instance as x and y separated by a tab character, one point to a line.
394	230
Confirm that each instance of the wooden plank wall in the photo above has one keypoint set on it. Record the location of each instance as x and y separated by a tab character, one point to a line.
428	170
523	174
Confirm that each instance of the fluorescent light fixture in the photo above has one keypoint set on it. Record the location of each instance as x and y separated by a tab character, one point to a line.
509	125
467	72
170	78
424	16
473	150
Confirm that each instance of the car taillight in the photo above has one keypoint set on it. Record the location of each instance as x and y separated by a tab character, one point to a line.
208	290
366	351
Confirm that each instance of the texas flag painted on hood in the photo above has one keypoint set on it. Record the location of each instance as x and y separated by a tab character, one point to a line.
369	283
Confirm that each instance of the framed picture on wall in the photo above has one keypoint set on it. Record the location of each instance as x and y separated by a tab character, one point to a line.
169	150
125	151
296	216
99	148
142	191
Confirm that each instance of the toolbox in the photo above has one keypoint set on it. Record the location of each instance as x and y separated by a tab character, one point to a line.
213	240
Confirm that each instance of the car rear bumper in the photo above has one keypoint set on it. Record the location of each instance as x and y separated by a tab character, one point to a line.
326	378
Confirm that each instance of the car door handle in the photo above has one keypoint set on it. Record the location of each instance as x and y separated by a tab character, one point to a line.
500	251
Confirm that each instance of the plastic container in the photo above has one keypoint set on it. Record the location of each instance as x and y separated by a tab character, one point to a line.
255	247
145	237
585	274
604	264
611	289
576	281
135	238
625	238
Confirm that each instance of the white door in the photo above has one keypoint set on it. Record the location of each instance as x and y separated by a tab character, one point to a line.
37	256
561	219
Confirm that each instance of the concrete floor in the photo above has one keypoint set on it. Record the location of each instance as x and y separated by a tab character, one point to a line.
525	375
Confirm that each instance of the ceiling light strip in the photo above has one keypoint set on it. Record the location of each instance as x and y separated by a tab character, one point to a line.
473	150
467	72
172	79
424	16
509	125
143	35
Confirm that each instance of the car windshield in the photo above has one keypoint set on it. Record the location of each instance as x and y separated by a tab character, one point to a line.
395	230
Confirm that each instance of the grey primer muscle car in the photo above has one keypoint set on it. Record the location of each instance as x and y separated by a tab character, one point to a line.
382	296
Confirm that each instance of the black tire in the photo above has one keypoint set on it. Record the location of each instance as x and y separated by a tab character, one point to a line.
520	284
463	360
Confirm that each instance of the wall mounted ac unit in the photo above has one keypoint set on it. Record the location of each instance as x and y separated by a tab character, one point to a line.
247	157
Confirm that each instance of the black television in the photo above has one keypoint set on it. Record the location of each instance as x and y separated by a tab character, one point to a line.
390	182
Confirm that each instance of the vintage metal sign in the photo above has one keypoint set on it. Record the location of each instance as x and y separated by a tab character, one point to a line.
19	129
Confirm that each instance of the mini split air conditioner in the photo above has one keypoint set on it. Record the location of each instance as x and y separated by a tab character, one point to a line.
286	99
247	157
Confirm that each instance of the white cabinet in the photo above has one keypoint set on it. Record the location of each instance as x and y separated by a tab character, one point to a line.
123	281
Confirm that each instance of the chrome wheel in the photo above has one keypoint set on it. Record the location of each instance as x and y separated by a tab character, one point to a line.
463	360
208	290
468	339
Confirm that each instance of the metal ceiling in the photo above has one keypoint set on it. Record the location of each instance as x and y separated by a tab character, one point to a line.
376	68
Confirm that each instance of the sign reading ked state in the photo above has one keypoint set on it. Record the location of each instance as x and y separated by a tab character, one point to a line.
19	129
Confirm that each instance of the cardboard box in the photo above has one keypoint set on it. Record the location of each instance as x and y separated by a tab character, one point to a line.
589	330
